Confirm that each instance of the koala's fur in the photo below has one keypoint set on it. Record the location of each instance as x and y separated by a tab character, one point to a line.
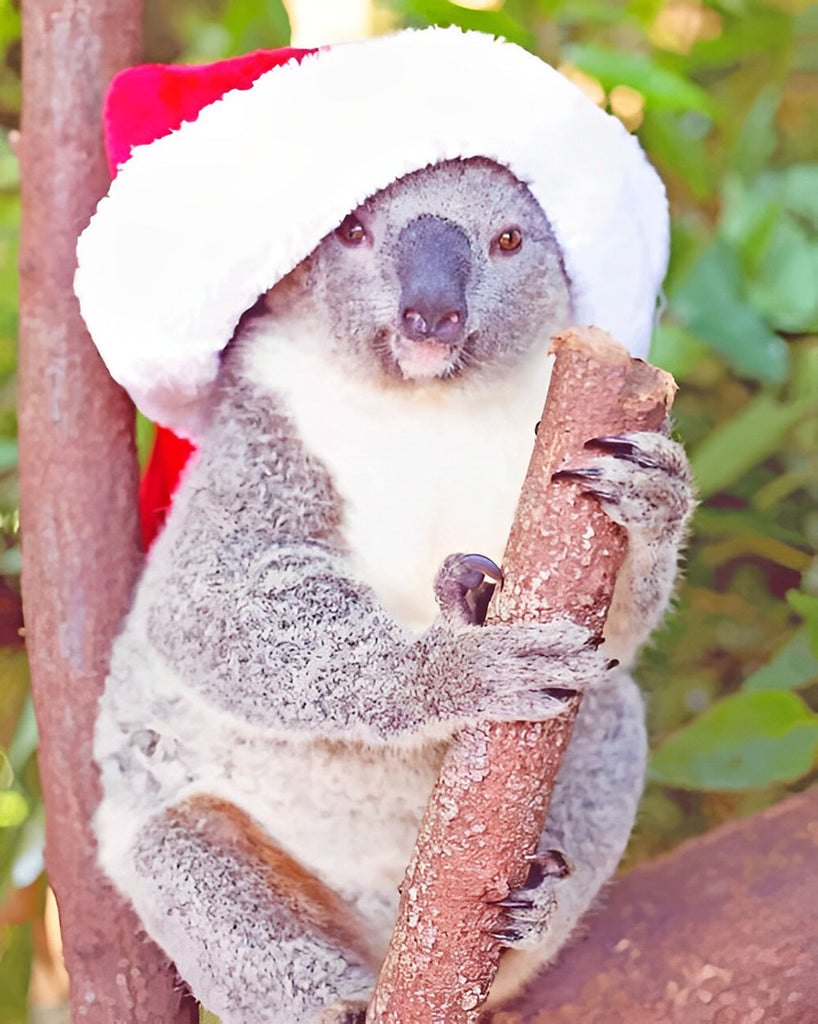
283	688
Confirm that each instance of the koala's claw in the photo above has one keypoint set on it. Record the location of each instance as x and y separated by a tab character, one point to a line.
527	909
641	479
462	587
546	864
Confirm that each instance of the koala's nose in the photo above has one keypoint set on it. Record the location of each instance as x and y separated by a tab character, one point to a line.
434	265
448	327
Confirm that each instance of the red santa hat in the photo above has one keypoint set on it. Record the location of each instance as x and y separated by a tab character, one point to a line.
201	221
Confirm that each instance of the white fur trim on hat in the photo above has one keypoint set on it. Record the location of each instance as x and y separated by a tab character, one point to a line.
201	222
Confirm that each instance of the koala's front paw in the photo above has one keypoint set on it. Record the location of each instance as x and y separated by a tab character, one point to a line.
642	480
462	590
527	910
527	671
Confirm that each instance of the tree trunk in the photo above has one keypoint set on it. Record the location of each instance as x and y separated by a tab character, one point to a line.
489	805
78	481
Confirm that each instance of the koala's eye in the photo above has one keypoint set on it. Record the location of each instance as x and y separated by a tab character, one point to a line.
510	240
351	231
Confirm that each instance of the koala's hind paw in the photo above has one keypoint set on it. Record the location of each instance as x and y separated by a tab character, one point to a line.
527	910
642	481
345	1011
463	590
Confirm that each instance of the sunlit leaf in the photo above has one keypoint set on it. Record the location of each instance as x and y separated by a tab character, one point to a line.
13	808
743	741
662	88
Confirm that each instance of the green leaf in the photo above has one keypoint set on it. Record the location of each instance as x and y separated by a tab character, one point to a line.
663	89
743	441
793	666
744	741
6	771
709	301
675	349
13	808
441	12
757	137
807	607
800	191
785	286
24	742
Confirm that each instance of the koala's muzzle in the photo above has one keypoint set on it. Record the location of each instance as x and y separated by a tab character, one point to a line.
434	264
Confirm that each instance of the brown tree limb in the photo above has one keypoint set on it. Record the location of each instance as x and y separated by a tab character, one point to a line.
489	805
78	481
723	930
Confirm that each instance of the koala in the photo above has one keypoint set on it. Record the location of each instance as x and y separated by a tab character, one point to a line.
307	633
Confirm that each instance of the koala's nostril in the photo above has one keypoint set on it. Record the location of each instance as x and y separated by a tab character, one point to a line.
415	326
448	327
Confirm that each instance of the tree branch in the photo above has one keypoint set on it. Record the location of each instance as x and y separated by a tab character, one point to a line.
78	481
489	805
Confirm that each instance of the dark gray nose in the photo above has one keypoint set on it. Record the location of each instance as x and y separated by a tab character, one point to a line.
434	264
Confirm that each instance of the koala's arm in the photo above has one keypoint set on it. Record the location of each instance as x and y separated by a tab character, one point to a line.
257	610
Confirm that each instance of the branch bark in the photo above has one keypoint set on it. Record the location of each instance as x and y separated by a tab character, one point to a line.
489	805
78	482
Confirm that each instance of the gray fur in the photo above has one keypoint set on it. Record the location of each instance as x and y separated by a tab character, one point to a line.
261	669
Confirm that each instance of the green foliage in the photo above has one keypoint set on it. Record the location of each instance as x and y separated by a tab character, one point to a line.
742	741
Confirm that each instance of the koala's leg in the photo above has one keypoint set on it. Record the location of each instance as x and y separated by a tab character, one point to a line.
256	936
592	810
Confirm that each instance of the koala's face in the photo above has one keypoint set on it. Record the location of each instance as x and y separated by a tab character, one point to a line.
451	270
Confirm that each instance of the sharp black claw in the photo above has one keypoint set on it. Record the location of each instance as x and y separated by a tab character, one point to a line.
613	444
595	642
546	864
620	448
612	663
514	903
483	565
559	693
580	473
506	935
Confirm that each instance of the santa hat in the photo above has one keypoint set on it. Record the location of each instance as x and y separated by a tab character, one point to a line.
203	220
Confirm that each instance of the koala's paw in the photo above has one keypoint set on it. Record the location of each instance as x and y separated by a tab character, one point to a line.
642	480
463	590
345	1011
527	910
527	671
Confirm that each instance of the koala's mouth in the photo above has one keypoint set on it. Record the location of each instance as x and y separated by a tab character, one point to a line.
426	359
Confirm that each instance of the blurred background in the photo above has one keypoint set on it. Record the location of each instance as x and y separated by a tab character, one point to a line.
724	98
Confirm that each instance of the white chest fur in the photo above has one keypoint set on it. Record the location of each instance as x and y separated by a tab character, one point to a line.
423	472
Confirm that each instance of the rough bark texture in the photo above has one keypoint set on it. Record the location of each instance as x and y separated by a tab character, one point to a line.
721	931
78	479
489	805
